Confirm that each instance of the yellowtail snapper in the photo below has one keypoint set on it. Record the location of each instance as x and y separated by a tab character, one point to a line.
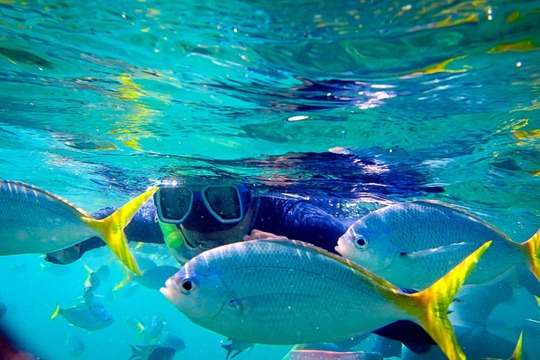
36	221
288	292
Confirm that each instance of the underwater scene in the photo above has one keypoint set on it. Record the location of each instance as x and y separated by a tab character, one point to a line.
351	179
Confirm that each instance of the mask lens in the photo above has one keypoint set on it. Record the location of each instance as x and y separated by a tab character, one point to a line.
173	203
224	202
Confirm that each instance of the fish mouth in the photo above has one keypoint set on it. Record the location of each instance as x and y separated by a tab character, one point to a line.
340	247
171	291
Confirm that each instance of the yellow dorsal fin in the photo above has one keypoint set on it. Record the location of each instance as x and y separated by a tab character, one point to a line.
112	229
431	305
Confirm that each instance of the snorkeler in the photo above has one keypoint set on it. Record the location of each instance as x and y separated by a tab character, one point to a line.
195	217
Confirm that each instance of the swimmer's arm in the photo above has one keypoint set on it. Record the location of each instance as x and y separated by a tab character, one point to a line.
299	220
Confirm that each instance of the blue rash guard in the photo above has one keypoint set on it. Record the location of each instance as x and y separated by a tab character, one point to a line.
299	220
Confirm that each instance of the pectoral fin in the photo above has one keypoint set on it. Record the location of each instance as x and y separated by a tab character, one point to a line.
461	246
234	347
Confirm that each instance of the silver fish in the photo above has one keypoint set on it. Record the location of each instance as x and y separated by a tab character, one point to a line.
172	340
95	277
147	333
36	221
75	345
412	244
89	316
155	277
288	292
152	352
152	277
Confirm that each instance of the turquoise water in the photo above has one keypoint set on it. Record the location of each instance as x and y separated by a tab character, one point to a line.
435	100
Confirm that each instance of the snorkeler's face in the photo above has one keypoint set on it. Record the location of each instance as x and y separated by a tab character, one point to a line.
209	239
207	209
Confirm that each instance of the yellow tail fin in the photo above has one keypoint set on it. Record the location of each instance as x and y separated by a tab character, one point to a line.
431	305
112	229
127	279
56	312
532	249
518	351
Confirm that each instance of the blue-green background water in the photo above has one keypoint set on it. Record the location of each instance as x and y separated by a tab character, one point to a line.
99	100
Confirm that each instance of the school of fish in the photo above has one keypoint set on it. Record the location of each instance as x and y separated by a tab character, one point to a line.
406	262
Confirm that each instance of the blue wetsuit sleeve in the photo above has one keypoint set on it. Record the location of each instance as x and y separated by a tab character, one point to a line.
143	227
299	220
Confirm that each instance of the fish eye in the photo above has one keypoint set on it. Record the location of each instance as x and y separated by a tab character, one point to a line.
187	286
360	241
